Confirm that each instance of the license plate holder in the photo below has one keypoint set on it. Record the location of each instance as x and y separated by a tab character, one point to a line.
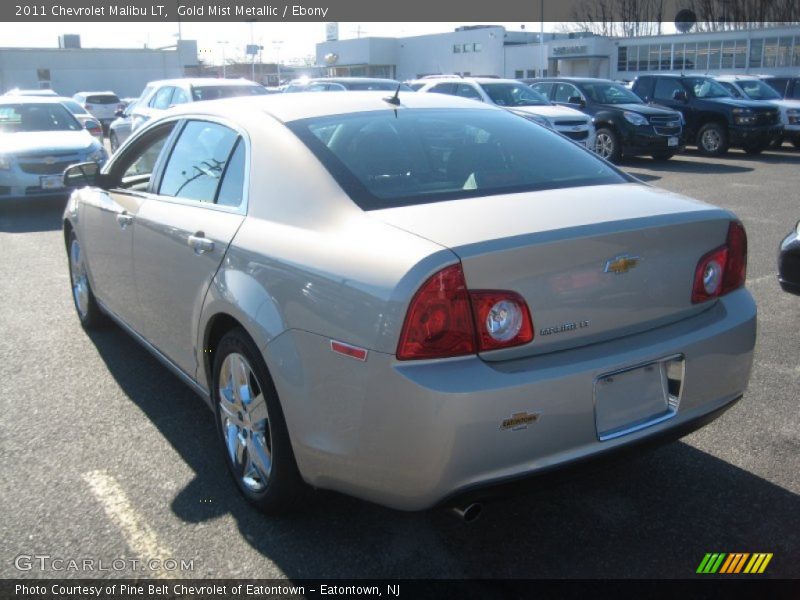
672	142
636	397
51	182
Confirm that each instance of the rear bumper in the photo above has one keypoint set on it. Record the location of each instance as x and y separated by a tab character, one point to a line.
411	435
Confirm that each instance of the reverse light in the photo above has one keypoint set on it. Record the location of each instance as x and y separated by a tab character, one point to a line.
724	269
445	319
502	319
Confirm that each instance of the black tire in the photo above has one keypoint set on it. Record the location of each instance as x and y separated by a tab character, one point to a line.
712	140
663	155
282	486
607	144
113	142
89	313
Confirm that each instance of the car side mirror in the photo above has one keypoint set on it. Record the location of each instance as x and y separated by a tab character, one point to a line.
680	96
119	112
82	174
576	100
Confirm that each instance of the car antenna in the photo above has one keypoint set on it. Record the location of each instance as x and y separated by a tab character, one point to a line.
396	98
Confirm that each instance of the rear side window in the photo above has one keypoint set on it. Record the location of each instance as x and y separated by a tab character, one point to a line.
444	88
543	88
102	99
197	161
178	97
232	187
386	158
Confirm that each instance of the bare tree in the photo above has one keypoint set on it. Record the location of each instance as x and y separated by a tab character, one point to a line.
620	18
722	15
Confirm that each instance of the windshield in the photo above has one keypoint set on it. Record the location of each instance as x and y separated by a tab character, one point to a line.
609	93
393	158
16	118
704	87
756	89
215	92
513	94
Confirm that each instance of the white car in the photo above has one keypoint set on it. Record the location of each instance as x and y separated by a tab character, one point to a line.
101	105
754	88
158	96
521	100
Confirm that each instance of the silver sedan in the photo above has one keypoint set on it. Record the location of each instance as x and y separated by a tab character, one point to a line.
409	297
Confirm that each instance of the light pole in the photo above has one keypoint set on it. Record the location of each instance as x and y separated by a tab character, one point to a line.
223	43
542	58
276	44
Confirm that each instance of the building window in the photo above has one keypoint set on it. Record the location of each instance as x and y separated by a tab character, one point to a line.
531	73
770	52
456	48
796	59
467	47
689	57
622	58
702	56
728	49
477	47
785	52
43	74
677	59
714	55
518	74
756	48
740	58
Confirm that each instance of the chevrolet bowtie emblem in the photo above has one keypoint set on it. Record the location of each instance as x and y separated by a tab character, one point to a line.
621	264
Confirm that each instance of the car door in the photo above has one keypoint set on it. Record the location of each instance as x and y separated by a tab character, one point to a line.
182	234
109	219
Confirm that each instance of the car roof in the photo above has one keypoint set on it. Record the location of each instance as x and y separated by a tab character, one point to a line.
302	105
574	80
203	81
736	78
479	80
353	80
32	99
101	93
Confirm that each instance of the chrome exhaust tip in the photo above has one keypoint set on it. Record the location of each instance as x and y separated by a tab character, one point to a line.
468	513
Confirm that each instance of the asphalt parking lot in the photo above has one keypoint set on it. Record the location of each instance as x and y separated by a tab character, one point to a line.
106	455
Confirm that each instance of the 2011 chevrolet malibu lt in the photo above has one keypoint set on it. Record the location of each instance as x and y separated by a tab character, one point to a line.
407	296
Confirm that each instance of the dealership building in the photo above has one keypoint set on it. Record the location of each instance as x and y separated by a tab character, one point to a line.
71	68
493	51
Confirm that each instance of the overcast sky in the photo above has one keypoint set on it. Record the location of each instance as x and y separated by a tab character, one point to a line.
297	40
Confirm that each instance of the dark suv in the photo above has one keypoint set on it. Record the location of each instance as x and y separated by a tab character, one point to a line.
714	120
625	125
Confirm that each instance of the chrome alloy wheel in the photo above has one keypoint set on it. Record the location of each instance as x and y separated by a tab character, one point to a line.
711	140
245	422
604	145
80	282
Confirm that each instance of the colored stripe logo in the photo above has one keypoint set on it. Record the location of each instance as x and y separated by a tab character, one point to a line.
734	563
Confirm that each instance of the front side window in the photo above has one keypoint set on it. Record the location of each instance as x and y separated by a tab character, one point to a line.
610	93
755	89
467	91
386	158
566	92
197	161
179	97
134	168
703	87
162	99
444	88
542	88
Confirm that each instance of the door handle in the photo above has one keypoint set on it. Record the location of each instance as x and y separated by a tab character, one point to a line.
124	219
200	243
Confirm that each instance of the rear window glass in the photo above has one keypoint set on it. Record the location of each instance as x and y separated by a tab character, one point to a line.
102	99
28	117
395	158
215	92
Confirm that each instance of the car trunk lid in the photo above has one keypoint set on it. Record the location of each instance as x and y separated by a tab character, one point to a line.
593	263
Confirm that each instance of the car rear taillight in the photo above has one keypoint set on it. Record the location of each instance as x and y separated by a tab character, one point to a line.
502	319
724	269
445	319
